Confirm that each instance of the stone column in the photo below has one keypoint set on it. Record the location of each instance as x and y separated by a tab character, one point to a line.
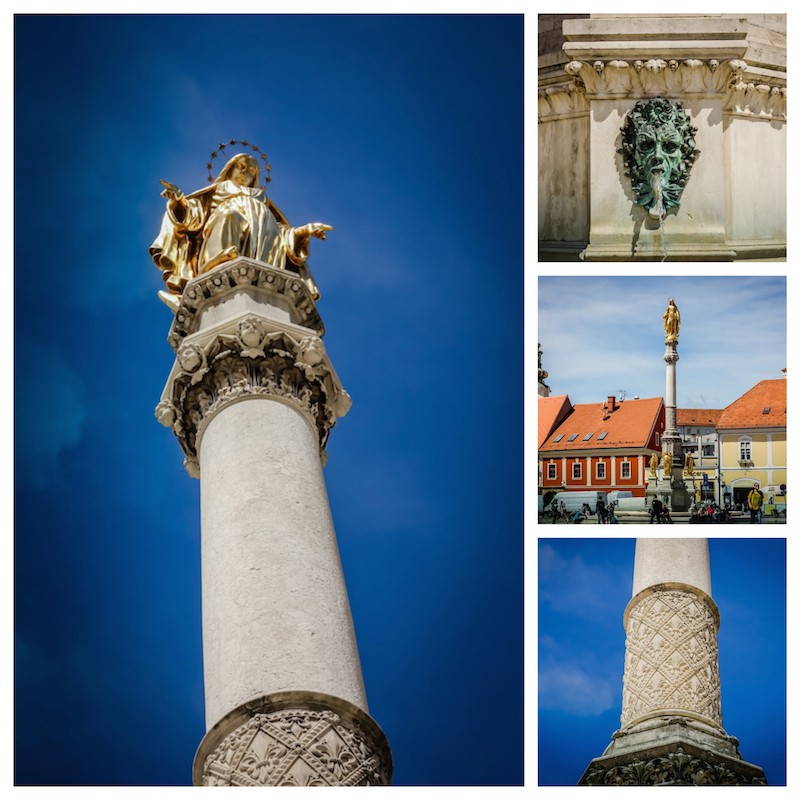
671	730
669	487
252	398
671	438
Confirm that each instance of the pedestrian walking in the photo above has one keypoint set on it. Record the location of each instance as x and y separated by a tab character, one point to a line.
755	500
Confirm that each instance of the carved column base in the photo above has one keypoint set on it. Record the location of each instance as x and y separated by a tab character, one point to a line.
294	739
675	752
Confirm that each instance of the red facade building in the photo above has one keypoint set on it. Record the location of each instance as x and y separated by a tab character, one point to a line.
599	446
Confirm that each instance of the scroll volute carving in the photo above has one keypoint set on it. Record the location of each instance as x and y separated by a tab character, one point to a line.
252	361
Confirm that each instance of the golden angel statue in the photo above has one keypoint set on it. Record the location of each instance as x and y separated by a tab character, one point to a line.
231	217
672	321
667	461
653	465
690	465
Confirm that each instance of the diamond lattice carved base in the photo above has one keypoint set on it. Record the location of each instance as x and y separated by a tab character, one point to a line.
671	656
294	739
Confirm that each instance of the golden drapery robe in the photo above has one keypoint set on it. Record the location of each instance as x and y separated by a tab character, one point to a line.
224	221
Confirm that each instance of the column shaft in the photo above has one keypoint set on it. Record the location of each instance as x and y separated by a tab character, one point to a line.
275	611
671	561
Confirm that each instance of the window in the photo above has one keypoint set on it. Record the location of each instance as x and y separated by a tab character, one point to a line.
657	444
709	450
602	436
572	437
625	472
744	450
559	437
587	437
577	472
601	470
551	471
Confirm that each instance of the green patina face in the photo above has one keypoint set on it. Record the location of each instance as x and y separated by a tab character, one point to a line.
658	150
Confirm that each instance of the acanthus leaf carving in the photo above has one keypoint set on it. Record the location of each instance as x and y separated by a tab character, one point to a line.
251	362
674	78
676	768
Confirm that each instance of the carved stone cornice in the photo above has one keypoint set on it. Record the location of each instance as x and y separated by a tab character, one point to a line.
562	101
235	276
681	766
251	362
294	739
671	656
745	91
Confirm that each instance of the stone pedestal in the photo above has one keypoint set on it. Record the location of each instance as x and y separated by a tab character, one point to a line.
252	398
671	719
671	492
728	72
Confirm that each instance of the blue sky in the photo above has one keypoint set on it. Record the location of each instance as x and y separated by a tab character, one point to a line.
406	135
601	334
584	586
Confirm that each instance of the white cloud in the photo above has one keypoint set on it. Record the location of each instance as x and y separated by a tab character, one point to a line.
587	590
564	686
603	334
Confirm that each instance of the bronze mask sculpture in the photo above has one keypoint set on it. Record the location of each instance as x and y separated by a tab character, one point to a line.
658	150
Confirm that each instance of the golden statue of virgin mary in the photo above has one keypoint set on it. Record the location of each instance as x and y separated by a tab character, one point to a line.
231	217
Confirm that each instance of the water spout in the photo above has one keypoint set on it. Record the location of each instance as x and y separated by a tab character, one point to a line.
657	209
663	235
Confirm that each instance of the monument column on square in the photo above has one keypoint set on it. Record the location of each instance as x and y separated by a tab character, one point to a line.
252	397
671	733
668	486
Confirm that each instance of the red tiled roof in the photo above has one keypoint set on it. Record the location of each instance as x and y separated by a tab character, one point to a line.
699	417
551	411
629	425
748	410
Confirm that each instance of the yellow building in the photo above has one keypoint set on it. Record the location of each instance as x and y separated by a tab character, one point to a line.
698	430
751	433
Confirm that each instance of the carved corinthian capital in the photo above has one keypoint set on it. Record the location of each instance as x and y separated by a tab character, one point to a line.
234	354
294	739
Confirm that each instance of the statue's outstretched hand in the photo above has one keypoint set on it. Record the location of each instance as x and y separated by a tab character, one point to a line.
315	229
171	192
